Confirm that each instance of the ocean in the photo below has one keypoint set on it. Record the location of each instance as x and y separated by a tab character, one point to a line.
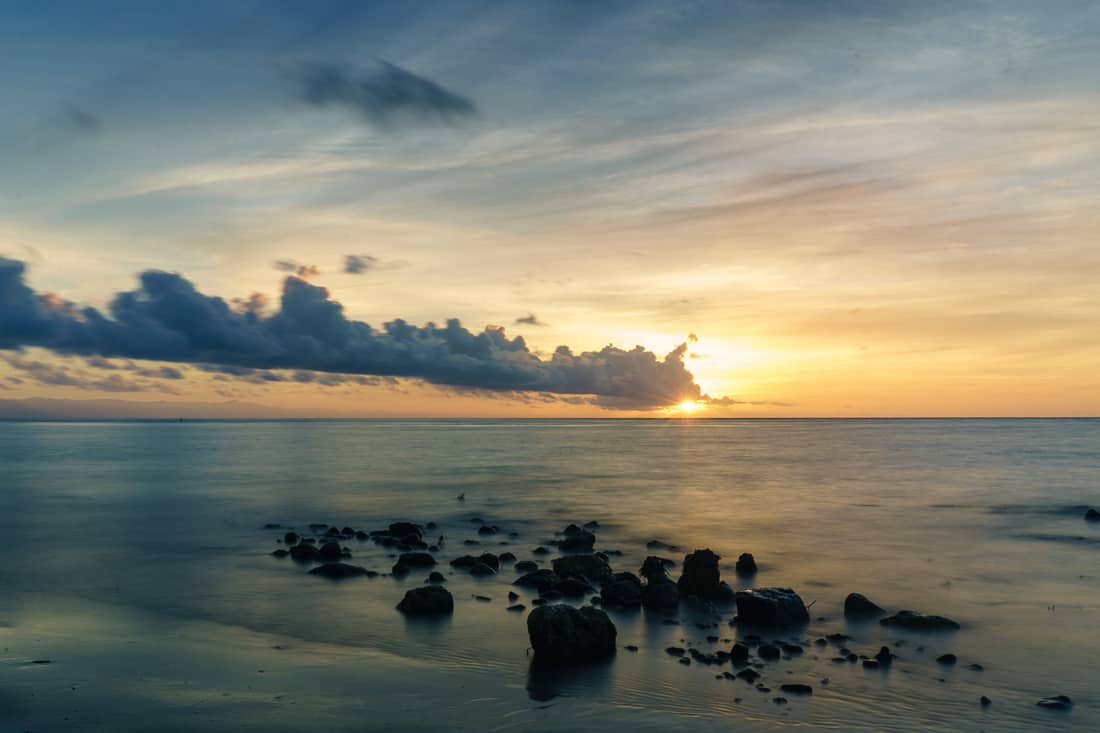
139	592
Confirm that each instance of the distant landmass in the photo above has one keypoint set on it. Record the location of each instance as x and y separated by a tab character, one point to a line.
42	408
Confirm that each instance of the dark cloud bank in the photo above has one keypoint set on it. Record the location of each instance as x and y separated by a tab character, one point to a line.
167	319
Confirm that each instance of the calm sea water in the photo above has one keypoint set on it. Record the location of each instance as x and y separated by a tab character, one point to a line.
135	560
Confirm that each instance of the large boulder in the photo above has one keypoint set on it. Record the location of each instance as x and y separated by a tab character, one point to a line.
774	607
701	578
857	604
404	529
576	539
913	621
430	600
655	569
330	551
304	552
593	567
562	633
746	564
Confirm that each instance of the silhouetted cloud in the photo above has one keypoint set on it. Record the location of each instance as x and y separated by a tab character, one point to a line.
358	264
382	96
529	320
57	375
167	319
296	268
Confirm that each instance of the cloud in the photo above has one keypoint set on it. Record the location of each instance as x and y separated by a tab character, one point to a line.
529	320
357	264
166	319
297	268
383	96
79	119
56	375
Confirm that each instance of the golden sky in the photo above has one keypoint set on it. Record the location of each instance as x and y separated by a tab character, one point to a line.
844	209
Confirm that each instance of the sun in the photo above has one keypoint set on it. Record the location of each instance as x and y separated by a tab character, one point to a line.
688	406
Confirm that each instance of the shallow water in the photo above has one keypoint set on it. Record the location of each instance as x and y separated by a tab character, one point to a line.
137	563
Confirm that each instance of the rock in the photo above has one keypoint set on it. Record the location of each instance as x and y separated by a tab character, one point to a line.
430	600
280	553
592	567
332	532
540	550
871	664
513	596
465	562
746	564
974	667
700	575
779	700
661	596
654	570
347	532
540	580
592	525
684	661
776	607
517	607
290	539
1058	702
416	560
572	587
563	633
985	701
884	657
329	551
491	560
792	649
400	571
947	659
506	557
436	577
577	540
303	553
1092	515
338	570
622	590
748	674
914	621
739	653
481	570
768	651
483	599
361	535
404	529
485	530
526	566
857	604
797	688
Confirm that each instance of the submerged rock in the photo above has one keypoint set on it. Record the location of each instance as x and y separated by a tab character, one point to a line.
1058	702
593	567
771	607
436	577
526	566
279	553
481	570
517	607
857	604
563	633
654	570
338	570
768	651
429	600
330	551
985	701
797	688
290	539
947	659
913	621
404	529
1092	515
739	653
884	657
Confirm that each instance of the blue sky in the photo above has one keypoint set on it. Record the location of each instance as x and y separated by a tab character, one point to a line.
856	207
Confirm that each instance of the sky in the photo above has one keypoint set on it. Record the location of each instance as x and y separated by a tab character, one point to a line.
765	208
